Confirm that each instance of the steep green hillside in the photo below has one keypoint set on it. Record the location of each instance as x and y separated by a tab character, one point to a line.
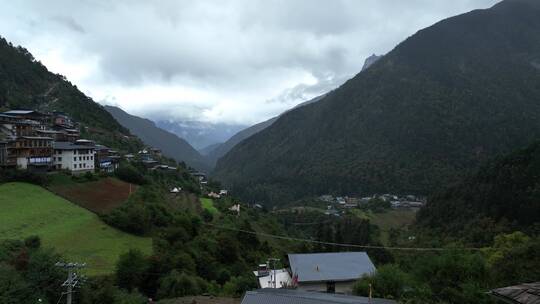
504	195
222	149
27	84
170	144
76	233
444	100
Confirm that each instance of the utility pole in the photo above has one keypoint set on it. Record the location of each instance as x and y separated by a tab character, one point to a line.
72	280
274	280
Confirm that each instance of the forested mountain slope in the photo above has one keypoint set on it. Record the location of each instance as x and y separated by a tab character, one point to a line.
225	147
504	195
170	144
444	100
27	84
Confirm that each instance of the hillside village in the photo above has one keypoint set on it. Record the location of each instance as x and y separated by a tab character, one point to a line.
43	142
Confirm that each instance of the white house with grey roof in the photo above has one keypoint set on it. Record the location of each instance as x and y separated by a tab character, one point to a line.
76	157
333	272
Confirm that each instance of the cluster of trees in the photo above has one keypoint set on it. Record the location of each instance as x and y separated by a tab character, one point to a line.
456	276
502	196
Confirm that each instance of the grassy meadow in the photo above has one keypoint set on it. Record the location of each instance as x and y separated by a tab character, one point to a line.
76	233
208	204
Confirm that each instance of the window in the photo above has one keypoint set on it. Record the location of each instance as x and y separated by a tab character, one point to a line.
75	159
59	159
75	152
331	287
84	165
80	158
91	158
75	166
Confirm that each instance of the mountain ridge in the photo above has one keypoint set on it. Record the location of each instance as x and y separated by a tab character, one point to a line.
445	99
170	144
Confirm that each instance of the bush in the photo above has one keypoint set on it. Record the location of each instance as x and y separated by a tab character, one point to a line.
388	282
130	270
178	284
26	176
130	174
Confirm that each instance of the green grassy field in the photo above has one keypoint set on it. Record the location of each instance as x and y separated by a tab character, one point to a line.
208	204
396	218
76	233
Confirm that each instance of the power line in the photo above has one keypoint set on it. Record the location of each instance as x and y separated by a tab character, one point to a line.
342	244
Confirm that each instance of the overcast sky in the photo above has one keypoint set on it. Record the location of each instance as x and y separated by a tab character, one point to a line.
214	60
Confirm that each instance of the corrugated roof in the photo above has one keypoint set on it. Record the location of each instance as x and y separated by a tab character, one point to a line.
333	266
291	296
62	145
519	294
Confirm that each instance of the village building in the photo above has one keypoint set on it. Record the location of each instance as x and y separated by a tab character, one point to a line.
62	120
76	157
334	272
42	118
292	296
106	159
32	152
213	195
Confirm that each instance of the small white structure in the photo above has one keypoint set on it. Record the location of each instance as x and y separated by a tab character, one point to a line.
235	208
223	192
279	278
213	195
176	190
76	157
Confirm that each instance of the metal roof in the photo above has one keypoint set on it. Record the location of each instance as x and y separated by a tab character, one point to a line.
18	112
519	294
291	296
63	145
332	266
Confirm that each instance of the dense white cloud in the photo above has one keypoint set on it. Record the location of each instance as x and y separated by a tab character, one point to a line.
227	61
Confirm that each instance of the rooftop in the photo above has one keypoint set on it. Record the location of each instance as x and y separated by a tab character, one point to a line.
19	112
333	266
64	145
36	137
291	296
518	294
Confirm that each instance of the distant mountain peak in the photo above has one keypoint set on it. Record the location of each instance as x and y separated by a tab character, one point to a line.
370	61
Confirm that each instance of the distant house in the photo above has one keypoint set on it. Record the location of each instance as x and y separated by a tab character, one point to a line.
291	296
176	190
213	195
76	157
223	192
330	272
518	294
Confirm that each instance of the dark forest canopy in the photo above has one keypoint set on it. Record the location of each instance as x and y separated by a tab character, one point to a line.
503	196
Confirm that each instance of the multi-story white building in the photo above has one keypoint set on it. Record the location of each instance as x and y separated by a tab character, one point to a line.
76	157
